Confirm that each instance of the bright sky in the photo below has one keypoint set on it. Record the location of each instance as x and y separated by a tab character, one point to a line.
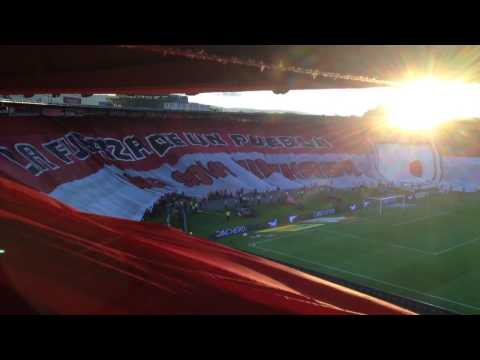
318	102
418	104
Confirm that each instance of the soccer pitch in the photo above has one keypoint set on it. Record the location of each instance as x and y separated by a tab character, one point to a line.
430	252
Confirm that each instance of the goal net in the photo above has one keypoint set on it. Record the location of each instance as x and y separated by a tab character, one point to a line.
380	204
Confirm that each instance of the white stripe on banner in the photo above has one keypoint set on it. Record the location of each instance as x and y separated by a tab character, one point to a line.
108	192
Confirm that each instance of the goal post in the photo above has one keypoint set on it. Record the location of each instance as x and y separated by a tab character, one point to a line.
389	200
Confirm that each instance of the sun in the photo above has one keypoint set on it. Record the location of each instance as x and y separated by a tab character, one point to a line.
425	103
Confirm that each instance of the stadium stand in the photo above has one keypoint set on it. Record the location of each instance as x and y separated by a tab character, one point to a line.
71	186
107	166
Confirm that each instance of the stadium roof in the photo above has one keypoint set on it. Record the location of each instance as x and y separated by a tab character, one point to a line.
194	69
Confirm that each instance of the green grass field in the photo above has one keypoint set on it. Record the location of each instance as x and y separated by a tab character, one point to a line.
430	253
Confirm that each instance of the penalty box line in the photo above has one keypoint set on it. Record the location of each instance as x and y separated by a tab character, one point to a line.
283	236
457	246
409	248
352	236
368	278
414	249
406	247
321	228
423	218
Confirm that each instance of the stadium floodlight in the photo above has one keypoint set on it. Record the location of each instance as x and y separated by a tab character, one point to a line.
387	200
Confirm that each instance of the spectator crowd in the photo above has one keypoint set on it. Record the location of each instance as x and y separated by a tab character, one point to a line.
174	208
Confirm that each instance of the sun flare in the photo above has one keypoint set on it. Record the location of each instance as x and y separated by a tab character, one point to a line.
425	103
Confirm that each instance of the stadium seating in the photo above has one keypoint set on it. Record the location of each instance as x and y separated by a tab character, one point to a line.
120	167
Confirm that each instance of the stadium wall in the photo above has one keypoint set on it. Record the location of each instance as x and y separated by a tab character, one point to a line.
120	166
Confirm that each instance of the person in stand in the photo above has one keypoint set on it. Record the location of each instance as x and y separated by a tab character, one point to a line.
227	215
176	221
169	213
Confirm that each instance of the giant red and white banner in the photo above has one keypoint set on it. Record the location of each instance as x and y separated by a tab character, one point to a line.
121	166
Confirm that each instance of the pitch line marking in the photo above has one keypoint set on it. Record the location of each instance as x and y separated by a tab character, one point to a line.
406	247
370	278
457	246
342	234
352	236
413	249
308	230
438	252
422	218
281	236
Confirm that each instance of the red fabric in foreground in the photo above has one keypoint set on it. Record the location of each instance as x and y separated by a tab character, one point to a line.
58	260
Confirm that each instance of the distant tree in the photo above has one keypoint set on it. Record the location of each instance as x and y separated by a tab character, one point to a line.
376	113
